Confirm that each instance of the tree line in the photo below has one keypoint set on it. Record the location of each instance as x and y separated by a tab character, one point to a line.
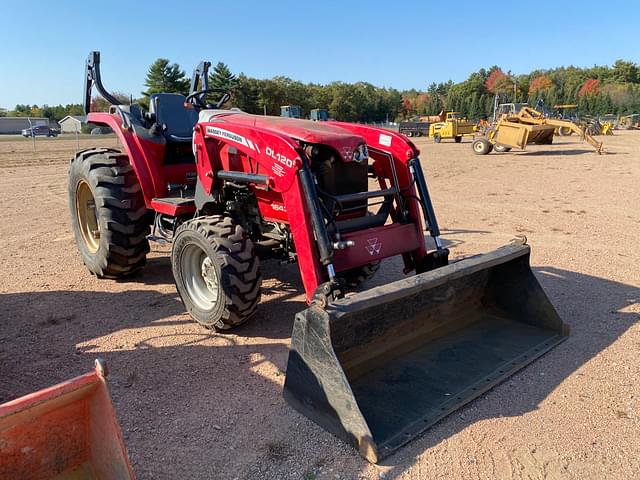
596	90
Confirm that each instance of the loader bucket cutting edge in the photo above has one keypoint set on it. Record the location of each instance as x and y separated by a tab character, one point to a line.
380	367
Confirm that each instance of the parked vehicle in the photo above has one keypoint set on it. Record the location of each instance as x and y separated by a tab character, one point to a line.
290	111
101	131
39	131
454	126
526	127
319	115
414	129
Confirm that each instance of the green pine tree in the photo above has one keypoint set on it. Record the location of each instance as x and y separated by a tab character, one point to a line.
163	77
221	77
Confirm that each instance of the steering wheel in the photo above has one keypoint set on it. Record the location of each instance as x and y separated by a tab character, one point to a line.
196	98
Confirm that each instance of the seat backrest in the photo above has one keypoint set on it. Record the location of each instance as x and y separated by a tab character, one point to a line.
170	112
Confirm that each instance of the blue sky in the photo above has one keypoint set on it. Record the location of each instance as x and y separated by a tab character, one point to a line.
394	44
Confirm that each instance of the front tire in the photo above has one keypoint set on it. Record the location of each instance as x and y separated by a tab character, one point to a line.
482	146
355	277
108	214
217	271
457	139
437	138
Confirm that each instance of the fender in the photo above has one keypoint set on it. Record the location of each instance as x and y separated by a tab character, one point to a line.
141	154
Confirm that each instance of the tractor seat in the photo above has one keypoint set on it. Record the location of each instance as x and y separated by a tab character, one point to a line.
177	122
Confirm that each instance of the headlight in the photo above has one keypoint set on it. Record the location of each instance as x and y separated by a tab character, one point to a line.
361	154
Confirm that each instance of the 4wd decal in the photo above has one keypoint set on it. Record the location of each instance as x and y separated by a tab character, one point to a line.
234	137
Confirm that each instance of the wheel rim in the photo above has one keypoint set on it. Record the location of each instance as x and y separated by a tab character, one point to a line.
199	277
478	146
87	216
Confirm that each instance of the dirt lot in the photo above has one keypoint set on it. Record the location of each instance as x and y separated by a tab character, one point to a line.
199	405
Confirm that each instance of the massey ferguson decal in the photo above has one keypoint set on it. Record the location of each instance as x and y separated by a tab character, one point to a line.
347	152
373	246
234	137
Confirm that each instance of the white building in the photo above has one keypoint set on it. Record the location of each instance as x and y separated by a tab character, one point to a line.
72	123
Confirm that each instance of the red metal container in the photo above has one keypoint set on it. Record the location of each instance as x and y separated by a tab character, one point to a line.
68	431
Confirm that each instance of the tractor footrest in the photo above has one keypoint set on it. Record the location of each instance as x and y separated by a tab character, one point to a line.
174	206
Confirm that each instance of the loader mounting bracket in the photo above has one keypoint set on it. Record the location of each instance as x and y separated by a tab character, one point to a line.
327	292
432	260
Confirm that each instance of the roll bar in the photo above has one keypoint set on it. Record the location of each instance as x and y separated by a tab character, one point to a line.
92	76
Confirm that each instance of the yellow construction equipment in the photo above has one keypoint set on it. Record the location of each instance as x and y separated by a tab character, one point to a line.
630	122
607	128
526	127
454	126
441	117
566	112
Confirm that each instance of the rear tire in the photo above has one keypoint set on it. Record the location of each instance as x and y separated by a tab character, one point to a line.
481	146
359	275
108	214
217	271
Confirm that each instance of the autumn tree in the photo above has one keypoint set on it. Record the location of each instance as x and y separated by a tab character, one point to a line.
540	84
591	87
99	104
494	78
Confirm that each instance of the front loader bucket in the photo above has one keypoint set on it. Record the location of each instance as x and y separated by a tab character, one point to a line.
378	368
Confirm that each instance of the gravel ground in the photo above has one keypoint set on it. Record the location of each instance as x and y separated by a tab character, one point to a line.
198	405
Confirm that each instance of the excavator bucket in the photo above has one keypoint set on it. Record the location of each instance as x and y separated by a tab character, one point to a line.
68	431
379	367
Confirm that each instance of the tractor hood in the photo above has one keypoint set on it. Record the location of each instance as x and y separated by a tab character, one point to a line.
308	131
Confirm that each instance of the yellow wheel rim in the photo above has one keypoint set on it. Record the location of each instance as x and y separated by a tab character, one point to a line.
87	216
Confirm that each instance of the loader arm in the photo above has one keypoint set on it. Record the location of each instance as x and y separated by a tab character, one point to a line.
578	131
530	116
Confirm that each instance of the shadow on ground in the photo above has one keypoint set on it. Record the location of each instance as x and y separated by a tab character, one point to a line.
207	391
571	152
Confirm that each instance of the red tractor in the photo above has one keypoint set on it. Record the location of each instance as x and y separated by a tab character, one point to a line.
229	189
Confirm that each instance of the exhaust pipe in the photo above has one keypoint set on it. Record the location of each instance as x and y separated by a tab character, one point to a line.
382	366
